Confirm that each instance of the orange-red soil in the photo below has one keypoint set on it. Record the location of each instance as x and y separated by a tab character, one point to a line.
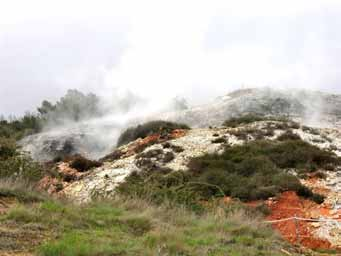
297	232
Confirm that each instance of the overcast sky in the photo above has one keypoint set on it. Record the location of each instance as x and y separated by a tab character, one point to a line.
195	48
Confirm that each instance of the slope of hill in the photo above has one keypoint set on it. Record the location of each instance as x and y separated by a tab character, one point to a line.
156	154
308	107
95	138
269	163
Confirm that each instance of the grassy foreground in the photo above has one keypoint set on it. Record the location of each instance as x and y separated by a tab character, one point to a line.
136	227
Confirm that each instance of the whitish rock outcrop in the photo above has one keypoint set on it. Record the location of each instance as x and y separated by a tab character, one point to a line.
175	154
308	107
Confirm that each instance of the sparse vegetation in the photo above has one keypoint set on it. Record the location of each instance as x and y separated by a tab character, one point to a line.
245	119
149	128
16	165
282	123
17	128
255	170
310	130
255	133
288	135
219	140
128	226
22	191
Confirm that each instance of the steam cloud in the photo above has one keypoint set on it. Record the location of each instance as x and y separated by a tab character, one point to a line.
210	48
158	50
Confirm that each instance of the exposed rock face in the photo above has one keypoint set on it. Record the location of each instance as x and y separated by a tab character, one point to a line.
312	108
178	151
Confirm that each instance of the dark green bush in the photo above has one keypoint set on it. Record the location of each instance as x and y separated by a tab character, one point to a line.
256	170
288	135
252	171
245	119
146	129
159	187
219	140
21	167
8	148
20	127
82	164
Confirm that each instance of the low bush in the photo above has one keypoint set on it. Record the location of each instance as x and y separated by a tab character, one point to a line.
310	130
7	148
146	129
288	135
162	187
21	190
83	164
256	170
219	140
255	133
175	148
20	166
245	119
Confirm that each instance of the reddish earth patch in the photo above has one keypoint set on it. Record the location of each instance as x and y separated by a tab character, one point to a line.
140	144
289	205
55	186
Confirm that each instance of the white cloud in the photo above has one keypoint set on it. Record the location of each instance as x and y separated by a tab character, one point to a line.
163	48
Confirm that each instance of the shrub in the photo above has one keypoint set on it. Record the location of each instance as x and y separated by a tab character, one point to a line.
7	148
310	130
21	167
21	190
175	148
219	140
252	171
288	135
246	119
117	154
159	188
256	170
255	133
146	129
82	164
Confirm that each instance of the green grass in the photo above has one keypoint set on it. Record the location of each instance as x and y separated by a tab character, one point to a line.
136	227
21	190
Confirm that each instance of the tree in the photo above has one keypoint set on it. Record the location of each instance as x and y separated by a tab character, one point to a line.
179	103
74	106
46	107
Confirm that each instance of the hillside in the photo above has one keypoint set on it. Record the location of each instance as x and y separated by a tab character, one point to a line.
308	107
87	138
220	188
173	154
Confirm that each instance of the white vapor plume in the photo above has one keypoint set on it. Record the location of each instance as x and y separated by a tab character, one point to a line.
158	49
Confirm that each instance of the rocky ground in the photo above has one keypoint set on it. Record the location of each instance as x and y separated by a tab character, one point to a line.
308	107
